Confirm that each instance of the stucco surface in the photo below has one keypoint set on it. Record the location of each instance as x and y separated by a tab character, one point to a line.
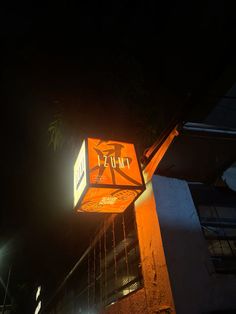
195	286
132	304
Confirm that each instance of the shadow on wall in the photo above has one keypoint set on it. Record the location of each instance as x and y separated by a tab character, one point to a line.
196	287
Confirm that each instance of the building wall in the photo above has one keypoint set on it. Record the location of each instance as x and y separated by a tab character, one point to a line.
196	288
156	280
134	303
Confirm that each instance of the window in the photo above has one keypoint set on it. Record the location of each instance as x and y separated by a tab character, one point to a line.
114	261
110	270
217	213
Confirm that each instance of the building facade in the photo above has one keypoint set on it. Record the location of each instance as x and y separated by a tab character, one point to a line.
174	249
194	267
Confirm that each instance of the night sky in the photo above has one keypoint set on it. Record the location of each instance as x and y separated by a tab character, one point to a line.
100	69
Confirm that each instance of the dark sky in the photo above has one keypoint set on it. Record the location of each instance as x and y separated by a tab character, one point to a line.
110	69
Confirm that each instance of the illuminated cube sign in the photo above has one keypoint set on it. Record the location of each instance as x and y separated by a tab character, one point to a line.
107	176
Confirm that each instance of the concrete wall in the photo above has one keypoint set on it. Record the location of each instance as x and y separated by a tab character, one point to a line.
156	280
196	288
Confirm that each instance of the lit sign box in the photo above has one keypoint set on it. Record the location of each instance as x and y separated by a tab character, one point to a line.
107	176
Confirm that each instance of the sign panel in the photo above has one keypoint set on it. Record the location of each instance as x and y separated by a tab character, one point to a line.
113	163
113	179
80	177
108	200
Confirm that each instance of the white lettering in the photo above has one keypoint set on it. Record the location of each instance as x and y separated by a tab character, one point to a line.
127	160
113	162
105	161
99	162
121	162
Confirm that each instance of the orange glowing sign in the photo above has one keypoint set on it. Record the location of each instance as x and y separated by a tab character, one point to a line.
110	179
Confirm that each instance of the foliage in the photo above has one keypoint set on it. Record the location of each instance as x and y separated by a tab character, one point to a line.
56	132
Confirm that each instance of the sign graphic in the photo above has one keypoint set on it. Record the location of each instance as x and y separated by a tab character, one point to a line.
80	178
112	180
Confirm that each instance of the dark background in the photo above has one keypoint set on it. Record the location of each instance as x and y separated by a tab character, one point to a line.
117	70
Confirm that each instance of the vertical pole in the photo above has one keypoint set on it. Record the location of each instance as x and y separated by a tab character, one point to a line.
105	265
88	303
114	252
126	253
154	268
6	290
100	267
94	272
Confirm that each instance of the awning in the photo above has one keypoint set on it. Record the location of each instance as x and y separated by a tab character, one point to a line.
201	153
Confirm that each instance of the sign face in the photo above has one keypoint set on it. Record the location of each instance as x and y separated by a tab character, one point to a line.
113	179
80	177
113	163
108	200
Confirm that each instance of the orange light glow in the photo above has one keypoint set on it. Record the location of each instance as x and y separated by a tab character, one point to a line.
113	179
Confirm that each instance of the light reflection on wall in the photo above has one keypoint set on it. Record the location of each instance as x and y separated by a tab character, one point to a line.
38	308
38	292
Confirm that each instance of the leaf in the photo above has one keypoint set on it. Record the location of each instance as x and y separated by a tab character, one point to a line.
56	134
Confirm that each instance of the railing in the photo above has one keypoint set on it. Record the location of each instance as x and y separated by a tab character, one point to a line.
109	271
